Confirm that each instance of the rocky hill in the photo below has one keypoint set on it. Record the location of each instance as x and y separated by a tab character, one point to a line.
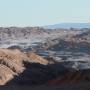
11	63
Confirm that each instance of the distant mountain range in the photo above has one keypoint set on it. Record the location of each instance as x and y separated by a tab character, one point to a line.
68	25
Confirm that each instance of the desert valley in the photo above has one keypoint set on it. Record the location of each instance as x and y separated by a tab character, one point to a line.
39	57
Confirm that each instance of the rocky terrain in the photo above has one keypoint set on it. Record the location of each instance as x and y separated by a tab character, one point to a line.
11	63
35	56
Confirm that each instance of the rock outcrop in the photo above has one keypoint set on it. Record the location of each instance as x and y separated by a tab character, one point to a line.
11	63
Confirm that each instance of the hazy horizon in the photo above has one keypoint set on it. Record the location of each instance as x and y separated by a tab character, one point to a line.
43	12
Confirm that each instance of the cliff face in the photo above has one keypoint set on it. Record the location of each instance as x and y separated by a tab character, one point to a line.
6	74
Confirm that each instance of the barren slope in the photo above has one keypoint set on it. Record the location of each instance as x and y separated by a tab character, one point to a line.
11	63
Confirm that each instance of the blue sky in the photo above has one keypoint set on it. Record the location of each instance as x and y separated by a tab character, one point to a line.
43	12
